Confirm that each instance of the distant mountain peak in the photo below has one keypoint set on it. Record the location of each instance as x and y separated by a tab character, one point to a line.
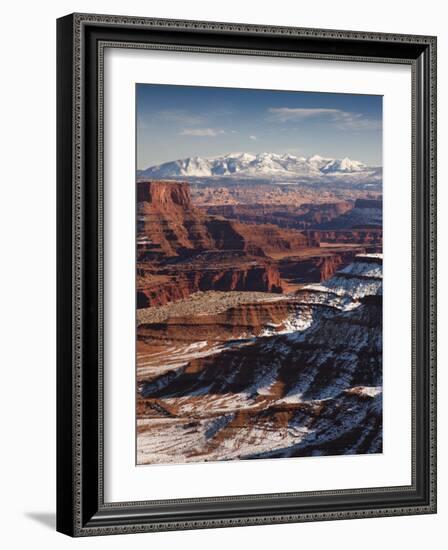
345	165
262	165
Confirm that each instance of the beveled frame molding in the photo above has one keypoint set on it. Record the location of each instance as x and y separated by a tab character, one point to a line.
82	39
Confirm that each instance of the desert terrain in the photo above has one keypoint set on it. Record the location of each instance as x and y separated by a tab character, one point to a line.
259	324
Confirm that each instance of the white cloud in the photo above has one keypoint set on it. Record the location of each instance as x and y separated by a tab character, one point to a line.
180	116
201	132
357	121
344	120
291	113
253	138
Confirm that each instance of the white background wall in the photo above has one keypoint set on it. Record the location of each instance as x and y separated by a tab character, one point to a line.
27	304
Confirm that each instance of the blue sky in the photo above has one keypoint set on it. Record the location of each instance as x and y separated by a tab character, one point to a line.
175	122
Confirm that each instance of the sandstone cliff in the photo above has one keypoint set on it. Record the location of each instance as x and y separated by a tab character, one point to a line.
182	250
313	390
303	216
169	223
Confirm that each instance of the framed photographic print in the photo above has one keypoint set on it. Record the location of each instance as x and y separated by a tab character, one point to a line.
246	274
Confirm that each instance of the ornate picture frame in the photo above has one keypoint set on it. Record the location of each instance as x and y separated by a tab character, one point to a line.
81	43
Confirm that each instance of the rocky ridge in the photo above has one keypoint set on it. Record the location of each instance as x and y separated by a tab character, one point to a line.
264	165
182	249
308	388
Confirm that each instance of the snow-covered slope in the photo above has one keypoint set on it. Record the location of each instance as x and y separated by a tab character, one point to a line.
344	165
264	165
313	390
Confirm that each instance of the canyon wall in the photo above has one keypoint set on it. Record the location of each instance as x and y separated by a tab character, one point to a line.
182	249
211	273
313	390
283	215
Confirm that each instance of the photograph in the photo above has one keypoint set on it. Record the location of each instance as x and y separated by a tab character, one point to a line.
259	274
231	236
246	220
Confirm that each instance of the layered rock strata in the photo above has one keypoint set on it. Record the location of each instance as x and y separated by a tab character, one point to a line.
312	389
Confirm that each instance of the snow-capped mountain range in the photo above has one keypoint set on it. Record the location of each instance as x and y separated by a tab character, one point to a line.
265	166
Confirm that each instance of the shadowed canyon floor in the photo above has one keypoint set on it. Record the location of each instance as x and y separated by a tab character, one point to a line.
257	339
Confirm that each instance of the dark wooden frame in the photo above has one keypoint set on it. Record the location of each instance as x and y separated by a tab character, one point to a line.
81	39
